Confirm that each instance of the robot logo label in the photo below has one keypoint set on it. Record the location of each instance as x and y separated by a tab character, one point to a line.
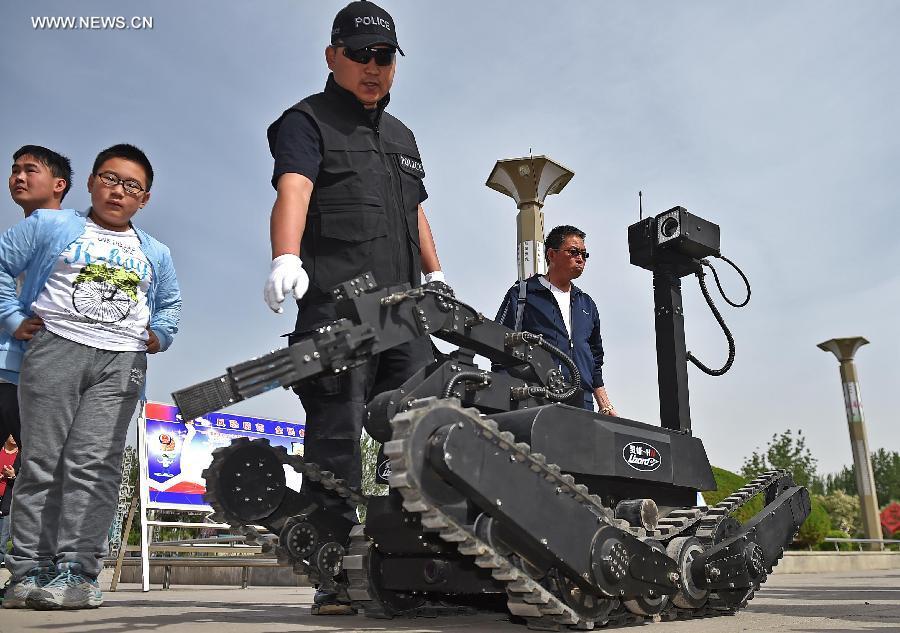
641	456
384	469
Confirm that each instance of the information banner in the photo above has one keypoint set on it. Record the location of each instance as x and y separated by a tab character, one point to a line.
177	452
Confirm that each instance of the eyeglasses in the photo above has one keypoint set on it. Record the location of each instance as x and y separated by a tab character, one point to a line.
111	179
574	252
382	56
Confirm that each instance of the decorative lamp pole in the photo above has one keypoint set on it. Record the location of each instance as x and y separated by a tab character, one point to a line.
528	181
844	349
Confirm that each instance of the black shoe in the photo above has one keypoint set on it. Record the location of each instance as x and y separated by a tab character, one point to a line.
327	603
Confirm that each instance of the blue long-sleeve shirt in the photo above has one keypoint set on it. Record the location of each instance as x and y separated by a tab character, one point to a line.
33	246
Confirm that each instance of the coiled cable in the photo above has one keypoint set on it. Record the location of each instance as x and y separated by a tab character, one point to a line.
718	315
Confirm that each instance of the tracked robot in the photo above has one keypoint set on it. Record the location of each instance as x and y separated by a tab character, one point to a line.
499	493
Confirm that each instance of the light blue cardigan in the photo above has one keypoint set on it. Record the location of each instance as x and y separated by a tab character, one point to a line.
34	245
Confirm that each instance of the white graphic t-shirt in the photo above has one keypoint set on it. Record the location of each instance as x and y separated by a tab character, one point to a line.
96	294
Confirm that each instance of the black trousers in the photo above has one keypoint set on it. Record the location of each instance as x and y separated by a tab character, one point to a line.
336	409
9	413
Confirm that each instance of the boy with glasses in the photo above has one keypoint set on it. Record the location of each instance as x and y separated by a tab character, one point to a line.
567	317
349	182
99	295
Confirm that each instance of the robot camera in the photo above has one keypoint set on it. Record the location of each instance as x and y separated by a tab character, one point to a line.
674	239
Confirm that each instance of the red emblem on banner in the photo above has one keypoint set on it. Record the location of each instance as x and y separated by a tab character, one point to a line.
890	517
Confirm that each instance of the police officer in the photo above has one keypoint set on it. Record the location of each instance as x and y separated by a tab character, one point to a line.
349	182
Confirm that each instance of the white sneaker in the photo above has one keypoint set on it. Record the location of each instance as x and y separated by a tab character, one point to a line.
16	592
71	589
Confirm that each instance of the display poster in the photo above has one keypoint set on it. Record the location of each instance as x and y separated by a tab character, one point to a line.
177	451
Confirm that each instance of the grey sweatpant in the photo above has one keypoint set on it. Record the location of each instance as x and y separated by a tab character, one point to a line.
76	403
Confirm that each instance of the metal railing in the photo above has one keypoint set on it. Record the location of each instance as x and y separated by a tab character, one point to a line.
861	542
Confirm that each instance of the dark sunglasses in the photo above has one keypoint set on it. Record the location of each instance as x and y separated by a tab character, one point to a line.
382	56
575	252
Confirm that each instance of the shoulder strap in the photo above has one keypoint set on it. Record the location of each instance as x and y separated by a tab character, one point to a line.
520	303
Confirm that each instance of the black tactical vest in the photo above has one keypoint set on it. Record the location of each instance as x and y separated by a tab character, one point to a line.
363	214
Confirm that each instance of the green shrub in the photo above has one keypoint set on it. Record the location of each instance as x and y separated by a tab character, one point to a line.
830	547
816	527
727	482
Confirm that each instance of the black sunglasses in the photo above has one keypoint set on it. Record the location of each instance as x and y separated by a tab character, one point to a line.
575	252
382	56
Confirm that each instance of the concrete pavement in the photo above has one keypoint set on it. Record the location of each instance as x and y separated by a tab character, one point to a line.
798	603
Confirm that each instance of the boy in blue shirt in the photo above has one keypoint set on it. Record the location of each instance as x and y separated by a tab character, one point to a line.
39	179
99	295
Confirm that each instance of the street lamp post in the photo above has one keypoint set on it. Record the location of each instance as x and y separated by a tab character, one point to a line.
845	349
528	181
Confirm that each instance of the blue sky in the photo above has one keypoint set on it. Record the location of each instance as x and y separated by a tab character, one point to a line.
776	120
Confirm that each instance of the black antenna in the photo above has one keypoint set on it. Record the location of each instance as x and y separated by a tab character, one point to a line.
640	206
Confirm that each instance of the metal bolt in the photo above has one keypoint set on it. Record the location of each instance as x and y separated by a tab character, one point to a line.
674	577
544	541
499	503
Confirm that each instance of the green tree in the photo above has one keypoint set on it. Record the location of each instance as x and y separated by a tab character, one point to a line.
789	452
886	470
843	480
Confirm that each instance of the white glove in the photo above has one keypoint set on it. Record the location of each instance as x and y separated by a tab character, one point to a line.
287	275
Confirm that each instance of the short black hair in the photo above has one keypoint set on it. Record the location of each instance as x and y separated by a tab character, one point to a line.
59	165
128	152
558	235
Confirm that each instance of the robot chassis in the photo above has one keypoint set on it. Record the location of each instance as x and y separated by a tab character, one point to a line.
497	489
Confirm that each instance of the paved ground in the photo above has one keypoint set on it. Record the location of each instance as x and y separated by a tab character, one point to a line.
790	602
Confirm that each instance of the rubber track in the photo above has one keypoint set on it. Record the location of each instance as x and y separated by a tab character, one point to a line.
269	542
526	597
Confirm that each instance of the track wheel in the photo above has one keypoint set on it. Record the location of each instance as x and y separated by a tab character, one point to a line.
299	538
588	606
651	603
683	550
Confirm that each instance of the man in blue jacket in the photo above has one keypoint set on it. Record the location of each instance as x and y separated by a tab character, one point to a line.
566	316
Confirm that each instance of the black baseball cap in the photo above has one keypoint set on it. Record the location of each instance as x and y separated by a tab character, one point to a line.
362	24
